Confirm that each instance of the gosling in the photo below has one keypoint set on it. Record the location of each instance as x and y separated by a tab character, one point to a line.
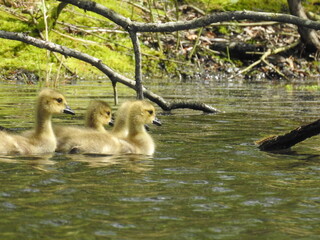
139	114
98	114
42	139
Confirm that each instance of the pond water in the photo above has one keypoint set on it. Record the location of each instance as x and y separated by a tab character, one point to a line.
207	179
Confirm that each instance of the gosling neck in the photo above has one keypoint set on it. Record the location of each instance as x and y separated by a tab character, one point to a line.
43	122
98	127
119	125
92	123
135	127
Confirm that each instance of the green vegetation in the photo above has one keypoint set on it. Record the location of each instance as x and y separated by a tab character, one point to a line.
112	48
254	5
310	88
95	35
264	6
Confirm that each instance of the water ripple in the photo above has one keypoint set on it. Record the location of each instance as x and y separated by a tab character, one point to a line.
146	199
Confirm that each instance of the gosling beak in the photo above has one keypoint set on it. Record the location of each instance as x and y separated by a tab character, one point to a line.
157	122
68	110
111	123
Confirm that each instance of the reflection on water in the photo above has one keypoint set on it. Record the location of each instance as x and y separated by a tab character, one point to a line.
134	163
207	180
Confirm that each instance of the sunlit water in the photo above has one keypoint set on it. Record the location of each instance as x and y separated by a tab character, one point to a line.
207	180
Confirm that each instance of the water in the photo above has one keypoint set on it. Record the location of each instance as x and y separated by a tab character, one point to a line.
207	180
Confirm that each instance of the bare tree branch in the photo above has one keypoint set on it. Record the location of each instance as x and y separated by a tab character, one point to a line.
129	25
114	76
137	56
134	27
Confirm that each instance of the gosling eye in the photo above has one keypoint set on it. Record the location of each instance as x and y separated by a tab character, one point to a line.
59	100
108	113
150	112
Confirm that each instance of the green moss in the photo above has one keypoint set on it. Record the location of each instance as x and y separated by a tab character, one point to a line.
224	30
209	5
10	23
123	8
114	50
261	5
19	55
253	5
232	5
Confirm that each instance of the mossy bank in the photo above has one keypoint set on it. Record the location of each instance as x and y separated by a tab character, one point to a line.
97	36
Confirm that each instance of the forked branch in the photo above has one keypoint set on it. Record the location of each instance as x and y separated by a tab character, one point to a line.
114	76
134	27
127	24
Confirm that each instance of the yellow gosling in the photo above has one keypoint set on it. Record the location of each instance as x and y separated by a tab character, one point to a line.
41	139
139	114
98	114
137	141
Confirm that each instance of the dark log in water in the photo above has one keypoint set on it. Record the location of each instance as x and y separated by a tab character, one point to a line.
280	142
239	49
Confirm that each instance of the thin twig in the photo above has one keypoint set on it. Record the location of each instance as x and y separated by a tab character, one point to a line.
56	56
153	20
195	44
275	69
46	38
76	39
138	6
177	19
86	16
115	92
96	29
267	54
117	44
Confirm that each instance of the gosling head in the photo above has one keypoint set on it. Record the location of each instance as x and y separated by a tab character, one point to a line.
143	112
99	113
53	102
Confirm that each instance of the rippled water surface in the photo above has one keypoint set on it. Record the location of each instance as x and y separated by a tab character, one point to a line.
207	180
